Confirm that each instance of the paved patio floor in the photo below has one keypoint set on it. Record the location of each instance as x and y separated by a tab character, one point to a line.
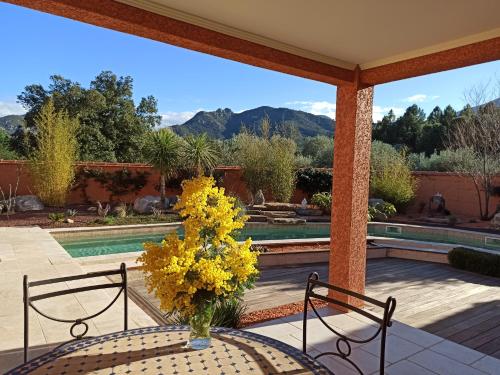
34	252
410	351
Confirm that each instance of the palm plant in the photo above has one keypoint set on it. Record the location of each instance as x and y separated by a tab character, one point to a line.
163	151
200	153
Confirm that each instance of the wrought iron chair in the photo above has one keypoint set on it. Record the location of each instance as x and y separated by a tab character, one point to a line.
343	343
29	299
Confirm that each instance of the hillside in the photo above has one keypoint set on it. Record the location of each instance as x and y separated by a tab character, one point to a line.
224	123
11	122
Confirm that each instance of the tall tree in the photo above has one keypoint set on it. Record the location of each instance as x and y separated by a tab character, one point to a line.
52	161
112	127
409	126
477	132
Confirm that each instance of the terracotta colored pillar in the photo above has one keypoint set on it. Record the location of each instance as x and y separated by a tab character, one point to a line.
351	173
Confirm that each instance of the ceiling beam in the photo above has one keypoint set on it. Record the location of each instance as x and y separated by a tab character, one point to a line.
459	57
121	17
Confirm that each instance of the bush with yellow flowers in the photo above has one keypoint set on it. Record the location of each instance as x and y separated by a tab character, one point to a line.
208	264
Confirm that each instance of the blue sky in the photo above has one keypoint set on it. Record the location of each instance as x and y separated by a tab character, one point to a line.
36	45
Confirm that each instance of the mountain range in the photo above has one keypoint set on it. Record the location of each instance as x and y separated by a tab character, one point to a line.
11	122
224	123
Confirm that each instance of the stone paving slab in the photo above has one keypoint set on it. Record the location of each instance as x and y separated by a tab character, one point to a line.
34	252
409	351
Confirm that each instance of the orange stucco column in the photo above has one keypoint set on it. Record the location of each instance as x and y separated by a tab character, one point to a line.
351	172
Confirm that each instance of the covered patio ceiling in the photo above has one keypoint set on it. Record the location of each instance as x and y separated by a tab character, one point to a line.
317	39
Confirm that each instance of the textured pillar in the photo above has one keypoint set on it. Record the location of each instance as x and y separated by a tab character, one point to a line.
351	172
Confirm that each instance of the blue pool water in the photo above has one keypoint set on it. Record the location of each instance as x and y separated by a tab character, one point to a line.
123	243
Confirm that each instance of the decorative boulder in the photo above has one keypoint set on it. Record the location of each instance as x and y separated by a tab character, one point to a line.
495	222
259	198
28	203
144	205
372	202
171	201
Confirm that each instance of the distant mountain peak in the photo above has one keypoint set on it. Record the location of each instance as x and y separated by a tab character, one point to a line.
224	123
10	123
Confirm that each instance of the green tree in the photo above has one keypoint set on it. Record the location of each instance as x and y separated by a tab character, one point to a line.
319	149
111	128
52	161
201	154
6	152
163	150
477	133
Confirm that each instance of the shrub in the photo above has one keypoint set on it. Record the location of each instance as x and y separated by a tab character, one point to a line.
268	164
319	149
251	154
381	211
282	168
314	180
56	217
475	261
323	201
390	177
446	160
52	161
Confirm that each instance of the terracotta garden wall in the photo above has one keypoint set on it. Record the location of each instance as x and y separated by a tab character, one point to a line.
459	192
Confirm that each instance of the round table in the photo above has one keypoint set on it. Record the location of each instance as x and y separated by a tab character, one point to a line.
160	350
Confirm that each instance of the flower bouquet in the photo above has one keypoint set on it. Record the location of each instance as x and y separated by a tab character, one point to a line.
190	275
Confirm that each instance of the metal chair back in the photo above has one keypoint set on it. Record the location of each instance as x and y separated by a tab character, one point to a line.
343	347
28	300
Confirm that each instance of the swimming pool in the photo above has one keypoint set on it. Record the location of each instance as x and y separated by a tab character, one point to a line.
102	244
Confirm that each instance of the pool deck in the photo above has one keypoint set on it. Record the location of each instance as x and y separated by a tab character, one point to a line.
456	305
34	252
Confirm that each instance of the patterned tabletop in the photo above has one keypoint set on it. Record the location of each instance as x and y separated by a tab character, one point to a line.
160	350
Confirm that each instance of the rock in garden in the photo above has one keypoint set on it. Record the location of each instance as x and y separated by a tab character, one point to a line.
372	202
309	212
69	221
171	201
259	198
277	206
144	205
28	203
495	222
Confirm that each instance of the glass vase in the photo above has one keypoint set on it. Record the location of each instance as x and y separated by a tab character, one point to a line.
199	335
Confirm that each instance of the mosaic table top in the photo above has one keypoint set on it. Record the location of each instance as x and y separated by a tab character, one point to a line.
160	350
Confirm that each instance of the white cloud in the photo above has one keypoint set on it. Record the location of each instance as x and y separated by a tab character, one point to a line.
11	108
329	109
176	118
317	108
419	98
379	112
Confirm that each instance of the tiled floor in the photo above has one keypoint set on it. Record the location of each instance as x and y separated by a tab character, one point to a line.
410	351
34	252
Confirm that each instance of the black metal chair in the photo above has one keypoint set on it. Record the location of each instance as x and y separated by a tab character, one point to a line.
343	343
29	299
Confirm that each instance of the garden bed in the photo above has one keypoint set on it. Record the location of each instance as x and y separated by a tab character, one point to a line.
83	218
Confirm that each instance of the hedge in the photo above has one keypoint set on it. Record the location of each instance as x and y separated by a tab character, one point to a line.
475	261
